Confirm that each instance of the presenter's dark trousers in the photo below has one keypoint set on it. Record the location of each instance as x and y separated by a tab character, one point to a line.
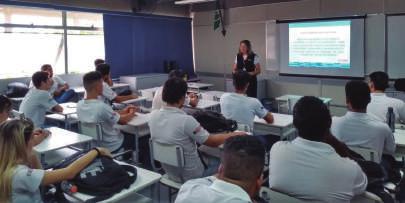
252	89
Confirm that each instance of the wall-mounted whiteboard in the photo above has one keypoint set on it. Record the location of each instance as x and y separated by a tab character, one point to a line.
396	46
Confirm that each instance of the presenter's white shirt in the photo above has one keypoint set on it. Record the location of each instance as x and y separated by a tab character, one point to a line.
255	61
363	130
35	105
241	108
172	125
313	171
379	107
25	185
96	111
211	190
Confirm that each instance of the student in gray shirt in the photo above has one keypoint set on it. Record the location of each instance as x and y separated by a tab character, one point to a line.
21	173
239	176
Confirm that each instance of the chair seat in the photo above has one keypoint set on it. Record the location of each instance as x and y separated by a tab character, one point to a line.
170	183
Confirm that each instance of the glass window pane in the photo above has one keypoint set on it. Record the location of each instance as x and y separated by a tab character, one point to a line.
2	18
80	19
35	16
83	48
24	53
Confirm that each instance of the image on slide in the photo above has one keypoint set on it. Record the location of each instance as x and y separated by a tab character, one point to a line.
320	44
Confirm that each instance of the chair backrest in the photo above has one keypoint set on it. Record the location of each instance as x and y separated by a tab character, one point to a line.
291	103
169	154
93	130
367	154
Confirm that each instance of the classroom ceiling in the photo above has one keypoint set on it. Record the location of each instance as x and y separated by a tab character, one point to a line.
233	3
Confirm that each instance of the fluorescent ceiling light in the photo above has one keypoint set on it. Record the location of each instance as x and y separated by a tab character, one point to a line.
182	2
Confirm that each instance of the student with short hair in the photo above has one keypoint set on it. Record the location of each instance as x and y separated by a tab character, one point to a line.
21	173
108	95
241	108
239	176
359	129
98	62
309	169
172	125
158	102
92	110
5	108
38	100
378	83
60	88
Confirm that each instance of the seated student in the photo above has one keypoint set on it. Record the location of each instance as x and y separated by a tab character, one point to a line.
241	108
93	110
359	129
172	125
60	88
108	95
21	173
158	103
98	62
38	100
239	176
307	168
5	108
378	82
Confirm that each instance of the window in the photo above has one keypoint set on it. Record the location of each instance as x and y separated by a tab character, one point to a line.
85	41
31	37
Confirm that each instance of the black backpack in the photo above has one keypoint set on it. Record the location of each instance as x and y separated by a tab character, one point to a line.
215	122
102	178
16	89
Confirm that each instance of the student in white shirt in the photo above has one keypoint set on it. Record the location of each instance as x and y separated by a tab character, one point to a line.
108	94
378	83
92	110
172	125
158	103
21	173
239	176
60	88
38	100
241	108
309	169
359	129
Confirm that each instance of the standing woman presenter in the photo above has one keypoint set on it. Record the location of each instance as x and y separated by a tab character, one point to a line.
248	61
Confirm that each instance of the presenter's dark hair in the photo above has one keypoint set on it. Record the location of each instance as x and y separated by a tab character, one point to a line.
174	90
312	118
358	94
380	80
248	45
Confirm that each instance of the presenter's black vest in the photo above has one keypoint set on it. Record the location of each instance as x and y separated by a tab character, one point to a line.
248	65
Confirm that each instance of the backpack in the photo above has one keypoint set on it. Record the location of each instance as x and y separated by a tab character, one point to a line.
102	178
16	89
215	122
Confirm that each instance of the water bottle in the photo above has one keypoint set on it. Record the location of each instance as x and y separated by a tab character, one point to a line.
391	118
68	187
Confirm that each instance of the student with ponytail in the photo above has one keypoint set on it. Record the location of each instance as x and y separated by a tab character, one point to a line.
21	173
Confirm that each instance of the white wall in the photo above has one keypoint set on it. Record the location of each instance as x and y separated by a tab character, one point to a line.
214	54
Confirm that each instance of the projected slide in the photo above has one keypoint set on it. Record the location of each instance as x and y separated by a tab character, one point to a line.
323	45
